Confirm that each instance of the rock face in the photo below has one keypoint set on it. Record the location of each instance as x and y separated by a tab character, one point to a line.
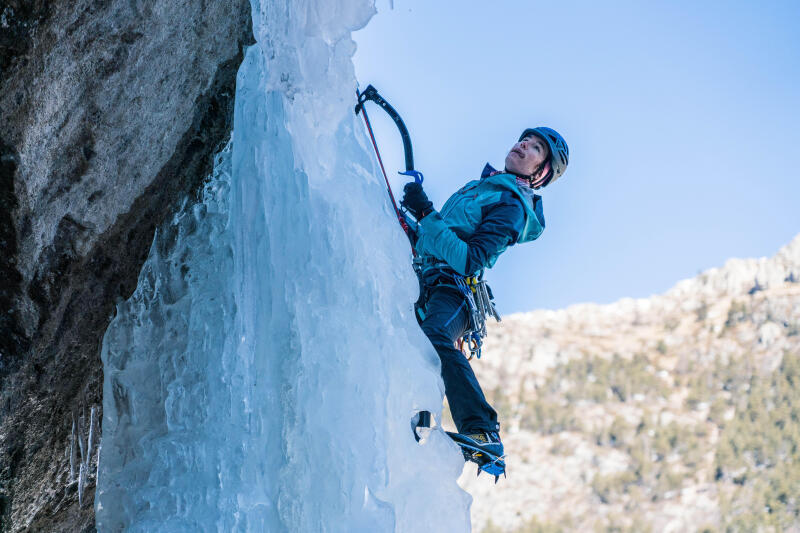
111	113
679	412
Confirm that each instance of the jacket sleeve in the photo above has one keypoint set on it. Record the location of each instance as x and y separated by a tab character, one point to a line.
501	223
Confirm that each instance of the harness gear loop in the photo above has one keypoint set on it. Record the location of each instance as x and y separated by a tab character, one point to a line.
477	296
481	306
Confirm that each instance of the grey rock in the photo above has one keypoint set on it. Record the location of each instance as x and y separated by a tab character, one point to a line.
112	111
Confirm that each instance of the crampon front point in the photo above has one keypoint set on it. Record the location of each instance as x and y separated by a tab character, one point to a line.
486	461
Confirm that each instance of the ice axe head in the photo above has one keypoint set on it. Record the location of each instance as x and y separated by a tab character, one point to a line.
416	173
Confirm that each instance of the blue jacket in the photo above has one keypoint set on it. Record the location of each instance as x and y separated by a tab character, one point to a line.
479	222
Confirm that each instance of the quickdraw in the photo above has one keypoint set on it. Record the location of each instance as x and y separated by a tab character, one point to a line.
481	306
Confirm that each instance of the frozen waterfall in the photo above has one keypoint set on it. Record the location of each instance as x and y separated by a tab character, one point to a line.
264	374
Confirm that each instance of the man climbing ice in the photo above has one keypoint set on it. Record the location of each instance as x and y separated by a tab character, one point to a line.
476	225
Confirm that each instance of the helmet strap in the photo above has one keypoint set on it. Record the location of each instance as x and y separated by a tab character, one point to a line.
529	179
545	169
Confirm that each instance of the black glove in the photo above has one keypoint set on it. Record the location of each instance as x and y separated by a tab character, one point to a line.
416	201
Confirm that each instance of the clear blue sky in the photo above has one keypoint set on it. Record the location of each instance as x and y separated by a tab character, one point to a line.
682	120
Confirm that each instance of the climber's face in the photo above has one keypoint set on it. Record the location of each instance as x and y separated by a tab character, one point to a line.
526	156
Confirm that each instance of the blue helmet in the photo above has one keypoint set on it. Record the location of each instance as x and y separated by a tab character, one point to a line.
559	151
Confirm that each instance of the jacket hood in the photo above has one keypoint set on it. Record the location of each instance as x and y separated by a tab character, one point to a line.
534	215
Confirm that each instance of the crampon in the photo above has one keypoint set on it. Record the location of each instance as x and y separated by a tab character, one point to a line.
486	461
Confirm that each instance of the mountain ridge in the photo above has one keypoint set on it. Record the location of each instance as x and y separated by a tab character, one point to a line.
736	275
636	415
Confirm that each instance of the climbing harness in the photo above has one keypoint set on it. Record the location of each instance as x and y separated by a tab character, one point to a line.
477	296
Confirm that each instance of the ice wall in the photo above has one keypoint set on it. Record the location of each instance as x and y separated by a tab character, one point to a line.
264	374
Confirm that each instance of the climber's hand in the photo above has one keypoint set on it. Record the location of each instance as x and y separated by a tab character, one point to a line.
416	201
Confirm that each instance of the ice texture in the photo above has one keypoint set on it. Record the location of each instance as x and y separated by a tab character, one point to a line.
263	375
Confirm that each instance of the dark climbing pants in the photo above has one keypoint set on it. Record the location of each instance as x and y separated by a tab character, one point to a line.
446	319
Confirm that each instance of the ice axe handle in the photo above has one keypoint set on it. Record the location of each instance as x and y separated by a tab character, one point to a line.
416	173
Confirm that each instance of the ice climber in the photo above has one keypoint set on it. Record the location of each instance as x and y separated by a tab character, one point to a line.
476	224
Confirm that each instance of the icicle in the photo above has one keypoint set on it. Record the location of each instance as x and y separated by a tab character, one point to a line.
84	447
81	482
91	434
97	470
72	452
80	439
